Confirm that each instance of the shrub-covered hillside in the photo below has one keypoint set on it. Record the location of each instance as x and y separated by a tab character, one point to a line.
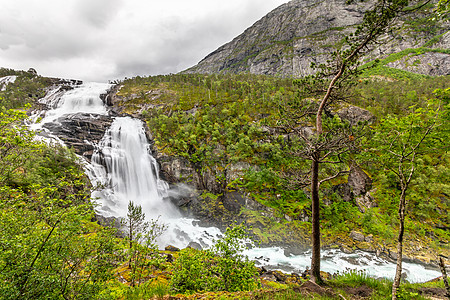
220	123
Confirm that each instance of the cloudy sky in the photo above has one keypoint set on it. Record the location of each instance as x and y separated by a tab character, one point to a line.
99	40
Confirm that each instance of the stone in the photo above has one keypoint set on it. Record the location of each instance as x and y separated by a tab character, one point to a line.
344	190
359	181
357	236
237	170
169	258
171	248
355	114
32	71
369	238
233	201
430	63
291	250
365	201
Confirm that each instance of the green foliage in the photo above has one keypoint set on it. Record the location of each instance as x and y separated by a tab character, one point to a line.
27	88
221	268
47	251
48	247
142	247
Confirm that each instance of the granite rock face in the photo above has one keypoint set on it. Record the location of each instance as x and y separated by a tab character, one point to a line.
287	40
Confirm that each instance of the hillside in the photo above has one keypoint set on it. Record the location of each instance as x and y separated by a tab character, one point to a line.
287	40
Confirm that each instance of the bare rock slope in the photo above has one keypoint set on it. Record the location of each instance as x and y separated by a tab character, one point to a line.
289	38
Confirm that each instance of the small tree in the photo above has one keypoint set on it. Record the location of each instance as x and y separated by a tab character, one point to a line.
398	144
142	237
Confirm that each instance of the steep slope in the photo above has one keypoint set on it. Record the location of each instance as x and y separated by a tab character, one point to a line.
289	38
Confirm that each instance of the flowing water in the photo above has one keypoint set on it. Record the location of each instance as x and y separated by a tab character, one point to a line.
124	169
4	81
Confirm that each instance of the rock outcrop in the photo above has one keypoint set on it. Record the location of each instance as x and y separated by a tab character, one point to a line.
287	40
80	131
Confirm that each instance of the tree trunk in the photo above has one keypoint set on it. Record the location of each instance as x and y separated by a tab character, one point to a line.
444	276
401	231
315	260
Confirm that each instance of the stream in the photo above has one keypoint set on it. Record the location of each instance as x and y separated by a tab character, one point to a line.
123	166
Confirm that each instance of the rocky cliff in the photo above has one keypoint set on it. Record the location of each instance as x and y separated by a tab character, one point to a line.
287	40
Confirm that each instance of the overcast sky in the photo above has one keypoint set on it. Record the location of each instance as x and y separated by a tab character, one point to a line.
99	40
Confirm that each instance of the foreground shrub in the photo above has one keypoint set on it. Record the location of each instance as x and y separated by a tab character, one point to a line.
221	268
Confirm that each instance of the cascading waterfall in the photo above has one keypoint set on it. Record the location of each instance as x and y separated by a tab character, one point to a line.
125	171
123	163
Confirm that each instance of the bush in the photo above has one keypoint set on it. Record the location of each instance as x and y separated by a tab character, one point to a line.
221	268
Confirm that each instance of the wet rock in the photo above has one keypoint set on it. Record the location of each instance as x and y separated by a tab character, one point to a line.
175	169
280	276
268	277
76	129
294	250
233	201
195	245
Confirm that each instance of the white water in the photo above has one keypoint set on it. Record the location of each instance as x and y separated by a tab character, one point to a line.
4	81
334	261
84	98
131	174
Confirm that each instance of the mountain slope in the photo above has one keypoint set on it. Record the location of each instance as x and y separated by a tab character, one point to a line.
287	40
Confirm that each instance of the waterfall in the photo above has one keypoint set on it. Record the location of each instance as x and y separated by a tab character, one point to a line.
123	170
123	163
80	99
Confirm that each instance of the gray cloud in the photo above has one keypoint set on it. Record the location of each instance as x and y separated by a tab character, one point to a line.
110	39
98	13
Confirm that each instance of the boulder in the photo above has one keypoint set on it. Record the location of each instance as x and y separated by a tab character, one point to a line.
355	114
195	245
357	236
171	248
